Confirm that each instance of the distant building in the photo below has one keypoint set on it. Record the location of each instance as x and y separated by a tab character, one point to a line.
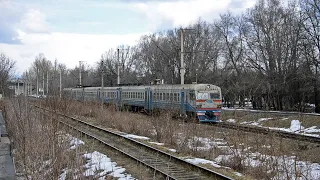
19	87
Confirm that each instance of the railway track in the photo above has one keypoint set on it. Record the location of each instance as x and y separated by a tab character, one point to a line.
284	113
171	167
262	130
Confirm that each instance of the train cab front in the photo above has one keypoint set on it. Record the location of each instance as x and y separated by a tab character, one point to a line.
208	107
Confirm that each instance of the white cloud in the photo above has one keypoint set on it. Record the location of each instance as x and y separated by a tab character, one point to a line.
68	48
34	21
36	37
184	12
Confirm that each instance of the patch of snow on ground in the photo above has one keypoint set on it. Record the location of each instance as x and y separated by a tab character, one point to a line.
99	165
159	144
231	120
264	119
238	174
289	167
202	161
312	129
201	143
75	142
63	175
172	150
296	126
245	122
135	136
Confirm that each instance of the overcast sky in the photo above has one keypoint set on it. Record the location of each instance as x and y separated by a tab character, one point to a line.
81	30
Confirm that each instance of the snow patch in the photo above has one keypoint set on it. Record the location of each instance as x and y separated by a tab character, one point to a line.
231	120
159	144
296	125
172	150
200	143
289	167
135	136
74	142
202	161
99	166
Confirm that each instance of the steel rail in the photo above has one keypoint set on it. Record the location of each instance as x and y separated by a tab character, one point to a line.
168	168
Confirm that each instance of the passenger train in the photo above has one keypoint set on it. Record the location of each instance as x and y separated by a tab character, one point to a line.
202	101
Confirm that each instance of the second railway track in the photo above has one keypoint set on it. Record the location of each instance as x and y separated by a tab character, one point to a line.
263	130
171	167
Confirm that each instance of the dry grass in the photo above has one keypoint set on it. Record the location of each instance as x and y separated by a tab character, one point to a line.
184	137
40	151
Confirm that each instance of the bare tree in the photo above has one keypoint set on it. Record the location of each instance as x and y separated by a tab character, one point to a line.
311	14
6	69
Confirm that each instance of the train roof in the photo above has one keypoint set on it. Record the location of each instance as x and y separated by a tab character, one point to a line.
160	86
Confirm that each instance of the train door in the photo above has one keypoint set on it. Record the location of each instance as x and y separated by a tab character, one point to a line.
182	103
98	95
191	98
118	102
148	99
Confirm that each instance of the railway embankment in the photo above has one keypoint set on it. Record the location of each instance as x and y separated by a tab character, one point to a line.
7	170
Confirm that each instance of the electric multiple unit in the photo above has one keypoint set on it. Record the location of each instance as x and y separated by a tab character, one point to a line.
196	100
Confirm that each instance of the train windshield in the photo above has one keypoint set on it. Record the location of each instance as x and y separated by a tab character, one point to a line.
214	96
203	96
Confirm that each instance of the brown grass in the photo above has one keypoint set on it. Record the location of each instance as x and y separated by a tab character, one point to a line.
182	136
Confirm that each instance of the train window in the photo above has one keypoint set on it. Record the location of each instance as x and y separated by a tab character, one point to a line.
202	96
214	96
175	97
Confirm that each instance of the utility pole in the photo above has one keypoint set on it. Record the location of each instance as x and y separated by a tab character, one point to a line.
102	84
118	72
25	85
182	69
42	83
18	86
182	63
118	69
37	82
47	82
60	83
80	62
